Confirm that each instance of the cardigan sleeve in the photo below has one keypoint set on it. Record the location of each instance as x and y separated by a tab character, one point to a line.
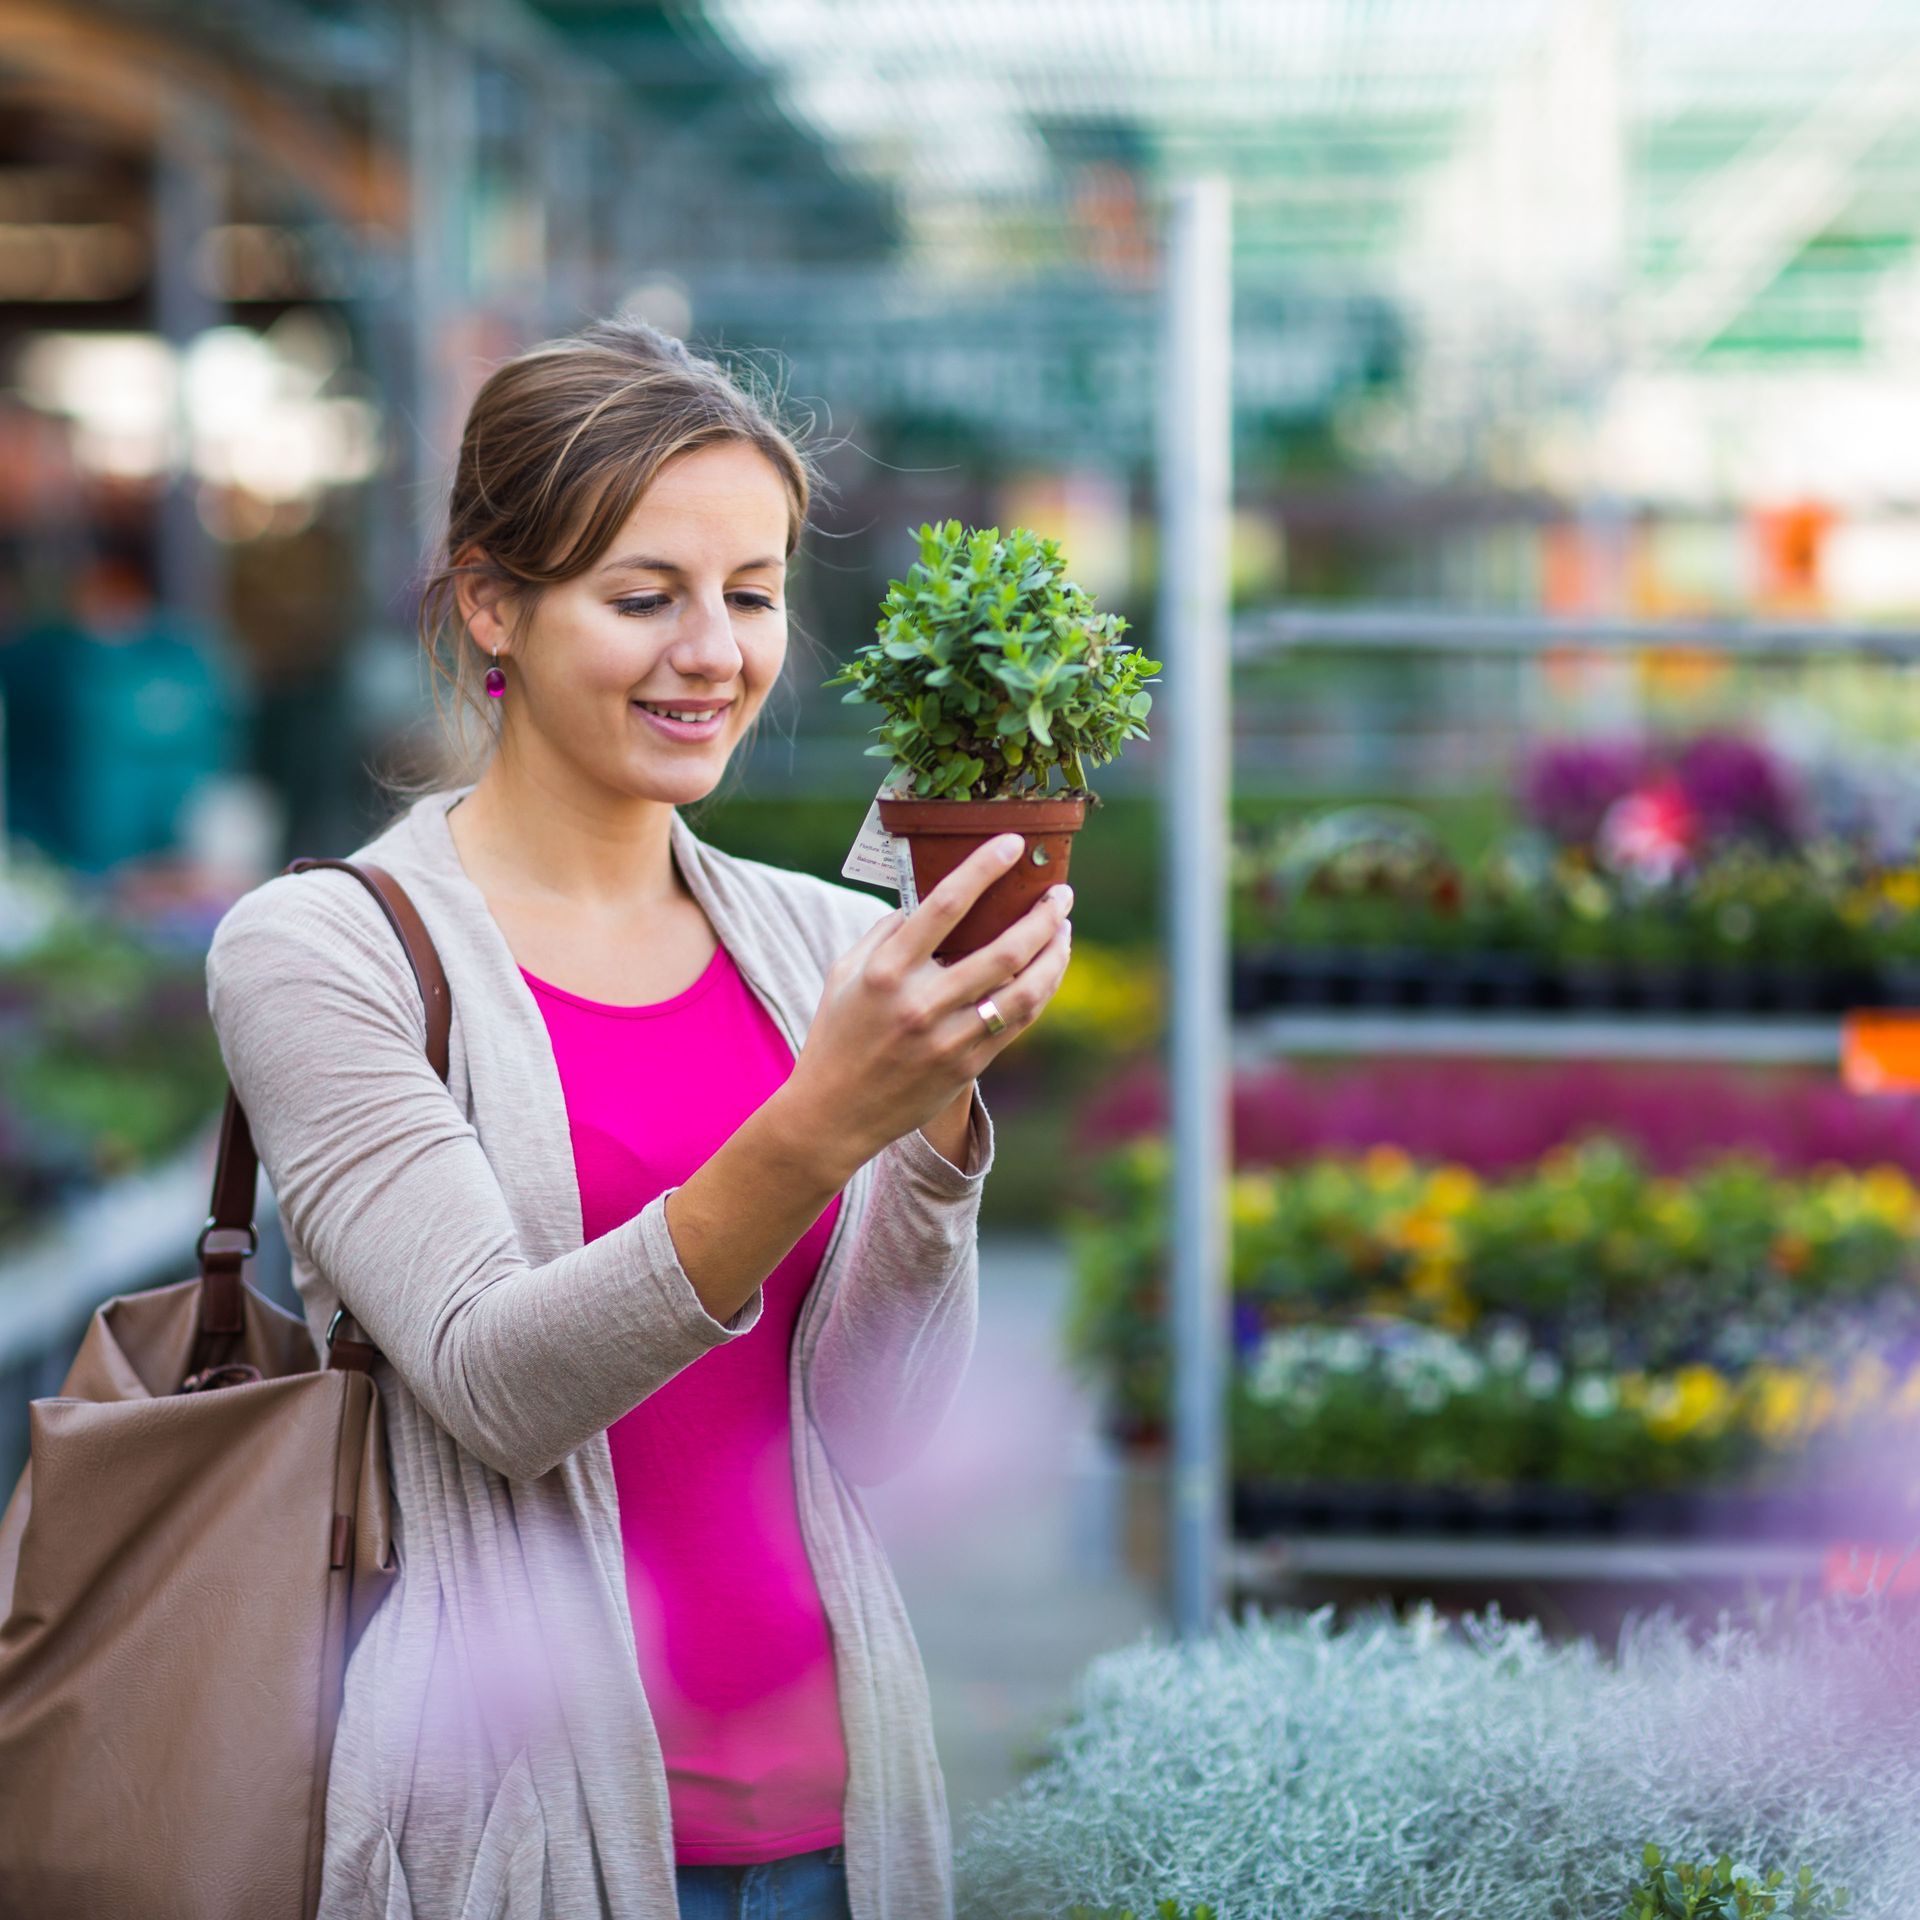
382	1180
900	1330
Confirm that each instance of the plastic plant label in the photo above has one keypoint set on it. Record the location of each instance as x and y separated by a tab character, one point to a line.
1880	1051
880	858
903	872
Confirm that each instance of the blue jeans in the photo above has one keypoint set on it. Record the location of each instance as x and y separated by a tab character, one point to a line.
803	1886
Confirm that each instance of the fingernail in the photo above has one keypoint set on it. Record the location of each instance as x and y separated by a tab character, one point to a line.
1008	845
1061	895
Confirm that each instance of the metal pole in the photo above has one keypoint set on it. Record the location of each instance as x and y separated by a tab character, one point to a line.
189	201
440	166
1195	490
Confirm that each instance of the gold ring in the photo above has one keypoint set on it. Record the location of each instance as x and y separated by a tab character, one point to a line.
991	1015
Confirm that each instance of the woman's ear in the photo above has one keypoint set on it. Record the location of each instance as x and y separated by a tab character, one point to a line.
479	594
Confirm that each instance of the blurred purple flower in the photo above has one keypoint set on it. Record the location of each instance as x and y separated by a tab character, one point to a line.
1738	790
1734	786
1247	1328
1566	786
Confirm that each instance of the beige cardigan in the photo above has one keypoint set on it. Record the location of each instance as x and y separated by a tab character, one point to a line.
495	1758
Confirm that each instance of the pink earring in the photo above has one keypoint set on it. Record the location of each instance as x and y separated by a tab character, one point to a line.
496	676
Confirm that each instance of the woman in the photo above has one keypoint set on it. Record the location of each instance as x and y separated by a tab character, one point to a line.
680	1257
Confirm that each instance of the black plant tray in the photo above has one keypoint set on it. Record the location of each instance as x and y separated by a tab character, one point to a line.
1412	980
1263	1507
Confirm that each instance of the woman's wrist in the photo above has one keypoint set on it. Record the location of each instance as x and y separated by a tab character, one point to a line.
816	1148
809	1144
946	1132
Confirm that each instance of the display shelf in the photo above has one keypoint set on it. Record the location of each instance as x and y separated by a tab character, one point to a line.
1778	1042
1775	1010
1264	1565
1727	1515
1305	979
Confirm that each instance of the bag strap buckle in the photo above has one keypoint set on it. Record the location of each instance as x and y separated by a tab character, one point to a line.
251	1230
348	1354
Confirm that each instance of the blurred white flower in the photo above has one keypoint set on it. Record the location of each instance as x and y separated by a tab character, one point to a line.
1594	1394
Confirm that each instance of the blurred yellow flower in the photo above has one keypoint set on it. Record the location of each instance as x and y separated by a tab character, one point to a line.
1423	1231
1900	889
1452	1190
1110	996
1386	1167
1695	1399
1435	1283
1252	1200
1433	1278
1674	1209
1777	1403
1887	1194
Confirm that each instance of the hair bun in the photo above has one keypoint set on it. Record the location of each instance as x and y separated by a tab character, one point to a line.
633	335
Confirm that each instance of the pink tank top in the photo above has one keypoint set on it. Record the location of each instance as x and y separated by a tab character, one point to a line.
733	1643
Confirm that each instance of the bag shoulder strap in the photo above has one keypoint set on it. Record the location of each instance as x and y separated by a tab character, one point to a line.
230	1235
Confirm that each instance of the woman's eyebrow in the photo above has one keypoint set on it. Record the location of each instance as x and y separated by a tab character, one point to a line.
641	563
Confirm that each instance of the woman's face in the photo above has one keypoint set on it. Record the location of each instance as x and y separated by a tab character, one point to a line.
686	609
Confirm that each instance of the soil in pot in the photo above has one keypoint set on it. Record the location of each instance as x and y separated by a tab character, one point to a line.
941	833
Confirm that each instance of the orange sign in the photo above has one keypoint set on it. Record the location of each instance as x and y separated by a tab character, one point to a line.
1880	1050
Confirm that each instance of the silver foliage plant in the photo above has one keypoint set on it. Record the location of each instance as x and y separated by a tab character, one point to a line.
1284	1768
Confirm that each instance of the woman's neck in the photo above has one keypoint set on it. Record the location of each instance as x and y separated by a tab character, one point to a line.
549	845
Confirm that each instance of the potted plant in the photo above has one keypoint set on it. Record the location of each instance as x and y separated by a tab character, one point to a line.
994	669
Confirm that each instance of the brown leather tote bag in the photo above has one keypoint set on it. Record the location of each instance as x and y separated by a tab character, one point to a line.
199	1538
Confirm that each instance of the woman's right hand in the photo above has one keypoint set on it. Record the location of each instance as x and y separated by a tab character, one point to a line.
897	1035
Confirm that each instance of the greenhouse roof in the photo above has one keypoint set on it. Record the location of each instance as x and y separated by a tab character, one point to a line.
1699	179
1743	172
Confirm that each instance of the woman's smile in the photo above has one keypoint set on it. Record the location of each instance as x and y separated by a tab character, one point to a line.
683	729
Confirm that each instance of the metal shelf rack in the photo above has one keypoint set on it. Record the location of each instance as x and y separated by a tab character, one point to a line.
1271	1562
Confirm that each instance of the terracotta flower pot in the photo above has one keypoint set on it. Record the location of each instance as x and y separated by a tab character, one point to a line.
941	833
